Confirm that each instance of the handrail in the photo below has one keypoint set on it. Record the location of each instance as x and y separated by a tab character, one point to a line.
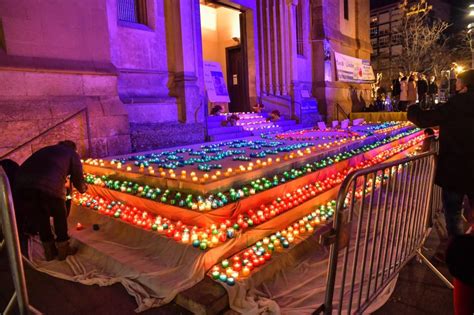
340	109
68	118
12	242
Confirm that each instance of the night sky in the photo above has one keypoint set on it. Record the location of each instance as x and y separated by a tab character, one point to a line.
458	15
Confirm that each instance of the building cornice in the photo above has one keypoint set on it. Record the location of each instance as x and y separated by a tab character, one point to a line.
51	65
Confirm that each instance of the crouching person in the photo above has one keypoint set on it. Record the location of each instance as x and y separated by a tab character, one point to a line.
42	194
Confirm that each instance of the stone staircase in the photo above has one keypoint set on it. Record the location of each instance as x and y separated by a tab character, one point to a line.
249	124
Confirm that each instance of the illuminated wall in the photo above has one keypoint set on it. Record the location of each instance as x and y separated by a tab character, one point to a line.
218	27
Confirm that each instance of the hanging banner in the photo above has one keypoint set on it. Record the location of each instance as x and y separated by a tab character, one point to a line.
350	69
215	83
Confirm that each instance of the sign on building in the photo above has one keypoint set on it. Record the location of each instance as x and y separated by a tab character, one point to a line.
215	83
354	70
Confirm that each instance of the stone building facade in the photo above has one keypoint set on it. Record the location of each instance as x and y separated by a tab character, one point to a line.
87	71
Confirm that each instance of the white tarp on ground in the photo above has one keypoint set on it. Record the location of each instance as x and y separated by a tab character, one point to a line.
154	271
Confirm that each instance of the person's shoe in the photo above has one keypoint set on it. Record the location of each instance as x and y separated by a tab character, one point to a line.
64	250
50	250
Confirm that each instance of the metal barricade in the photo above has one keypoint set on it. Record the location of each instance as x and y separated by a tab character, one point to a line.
382	219
12	244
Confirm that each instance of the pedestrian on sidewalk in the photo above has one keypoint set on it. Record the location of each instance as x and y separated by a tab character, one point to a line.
41	192
396	91
422	88
455	173
402	105
432	88
412	90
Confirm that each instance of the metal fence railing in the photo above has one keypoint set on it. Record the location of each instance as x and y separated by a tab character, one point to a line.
12	244
383	217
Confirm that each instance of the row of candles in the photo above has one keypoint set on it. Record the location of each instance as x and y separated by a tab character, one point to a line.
220	199
383	128
208	237
244	263
204	173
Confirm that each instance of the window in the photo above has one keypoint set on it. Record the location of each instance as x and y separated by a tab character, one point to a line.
346	9
374	43
374	32
383	41
397	39
299	29
133	11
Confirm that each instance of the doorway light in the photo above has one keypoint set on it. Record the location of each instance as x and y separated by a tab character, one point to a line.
208	17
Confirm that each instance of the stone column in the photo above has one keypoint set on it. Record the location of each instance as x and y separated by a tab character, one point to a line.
275	46
283	46
183	58
293	66
268	45
261	51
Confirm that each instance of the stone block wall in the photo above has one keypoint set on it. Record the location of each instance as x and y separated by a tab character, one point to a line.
83	107
145	137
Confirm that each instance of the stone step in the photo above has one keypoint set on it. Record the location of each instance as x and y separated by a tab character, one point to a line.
223	130
285	122
216	118
227	136
214	124
254	119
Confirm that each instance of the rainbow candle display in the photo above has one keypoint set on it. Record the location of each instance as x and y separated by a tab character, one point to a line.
207	161
200	237
276	159
208	237
220	199
242	264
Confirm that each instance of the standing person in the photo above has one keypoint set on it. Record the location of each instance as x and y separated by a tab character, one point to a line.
452	78
41	191
412	91
433	86
402	105
422	88
396	90
432	90
455	173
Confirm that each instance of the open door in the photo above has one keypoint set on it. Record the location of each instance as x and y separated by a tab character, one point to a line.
235	79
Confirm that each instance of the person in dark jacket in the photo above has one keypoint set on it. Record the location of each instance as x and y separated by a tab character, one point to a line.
455	173
433	87
432	92
396	90
422	88
41	191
